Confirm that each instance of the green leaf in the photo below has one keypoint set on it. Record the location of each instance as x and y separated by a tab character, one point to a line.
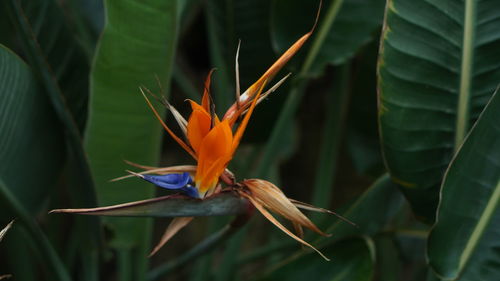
354	26
221	204
137	45
464	243
352	259
30	168
437	69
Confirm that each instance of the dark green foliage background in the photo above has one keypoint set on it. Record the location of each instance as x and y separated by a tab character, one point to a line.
390	118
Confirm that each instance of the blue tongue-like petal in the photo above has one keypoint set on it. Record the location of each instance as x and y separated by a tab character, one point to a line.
174	182
170	181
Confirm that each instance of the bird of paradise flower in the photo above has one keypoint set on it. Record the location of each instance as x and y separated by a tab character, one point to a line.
212	142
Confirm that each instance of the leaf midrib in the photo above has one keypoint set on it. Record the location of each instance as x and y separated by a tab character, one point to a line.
463	109
489	210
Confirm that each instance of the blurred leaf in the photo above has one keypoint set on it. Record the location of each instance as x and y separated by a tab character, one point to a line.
50	258
388	262
363	141
354	26
62	52
464	243
336	110
16	247
30	167
352	259
221	204
137	44
88	22
370	212
93	11
58	71
437	69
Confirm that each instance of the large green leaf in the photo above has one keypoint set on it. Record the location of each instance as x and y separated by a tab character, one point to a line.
355	25
465	242
352	259
30	168
438	65
137	44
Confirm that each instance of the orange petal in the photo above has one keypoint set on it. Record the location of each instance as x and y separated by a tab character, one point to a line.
176	138
175	225
198	127
210	176
273	220
215	147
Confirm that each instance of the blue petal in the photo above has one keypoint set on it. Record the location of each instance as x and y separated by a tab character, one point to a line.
191	191
174	182
170	181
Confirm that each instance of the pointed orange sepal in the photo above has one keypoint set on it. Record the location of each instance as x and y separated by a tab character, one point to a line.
174	136
205	100
246	97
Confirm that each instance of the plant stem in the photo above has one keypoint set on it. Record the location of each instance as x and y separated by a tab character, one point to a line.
266	250
124	265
